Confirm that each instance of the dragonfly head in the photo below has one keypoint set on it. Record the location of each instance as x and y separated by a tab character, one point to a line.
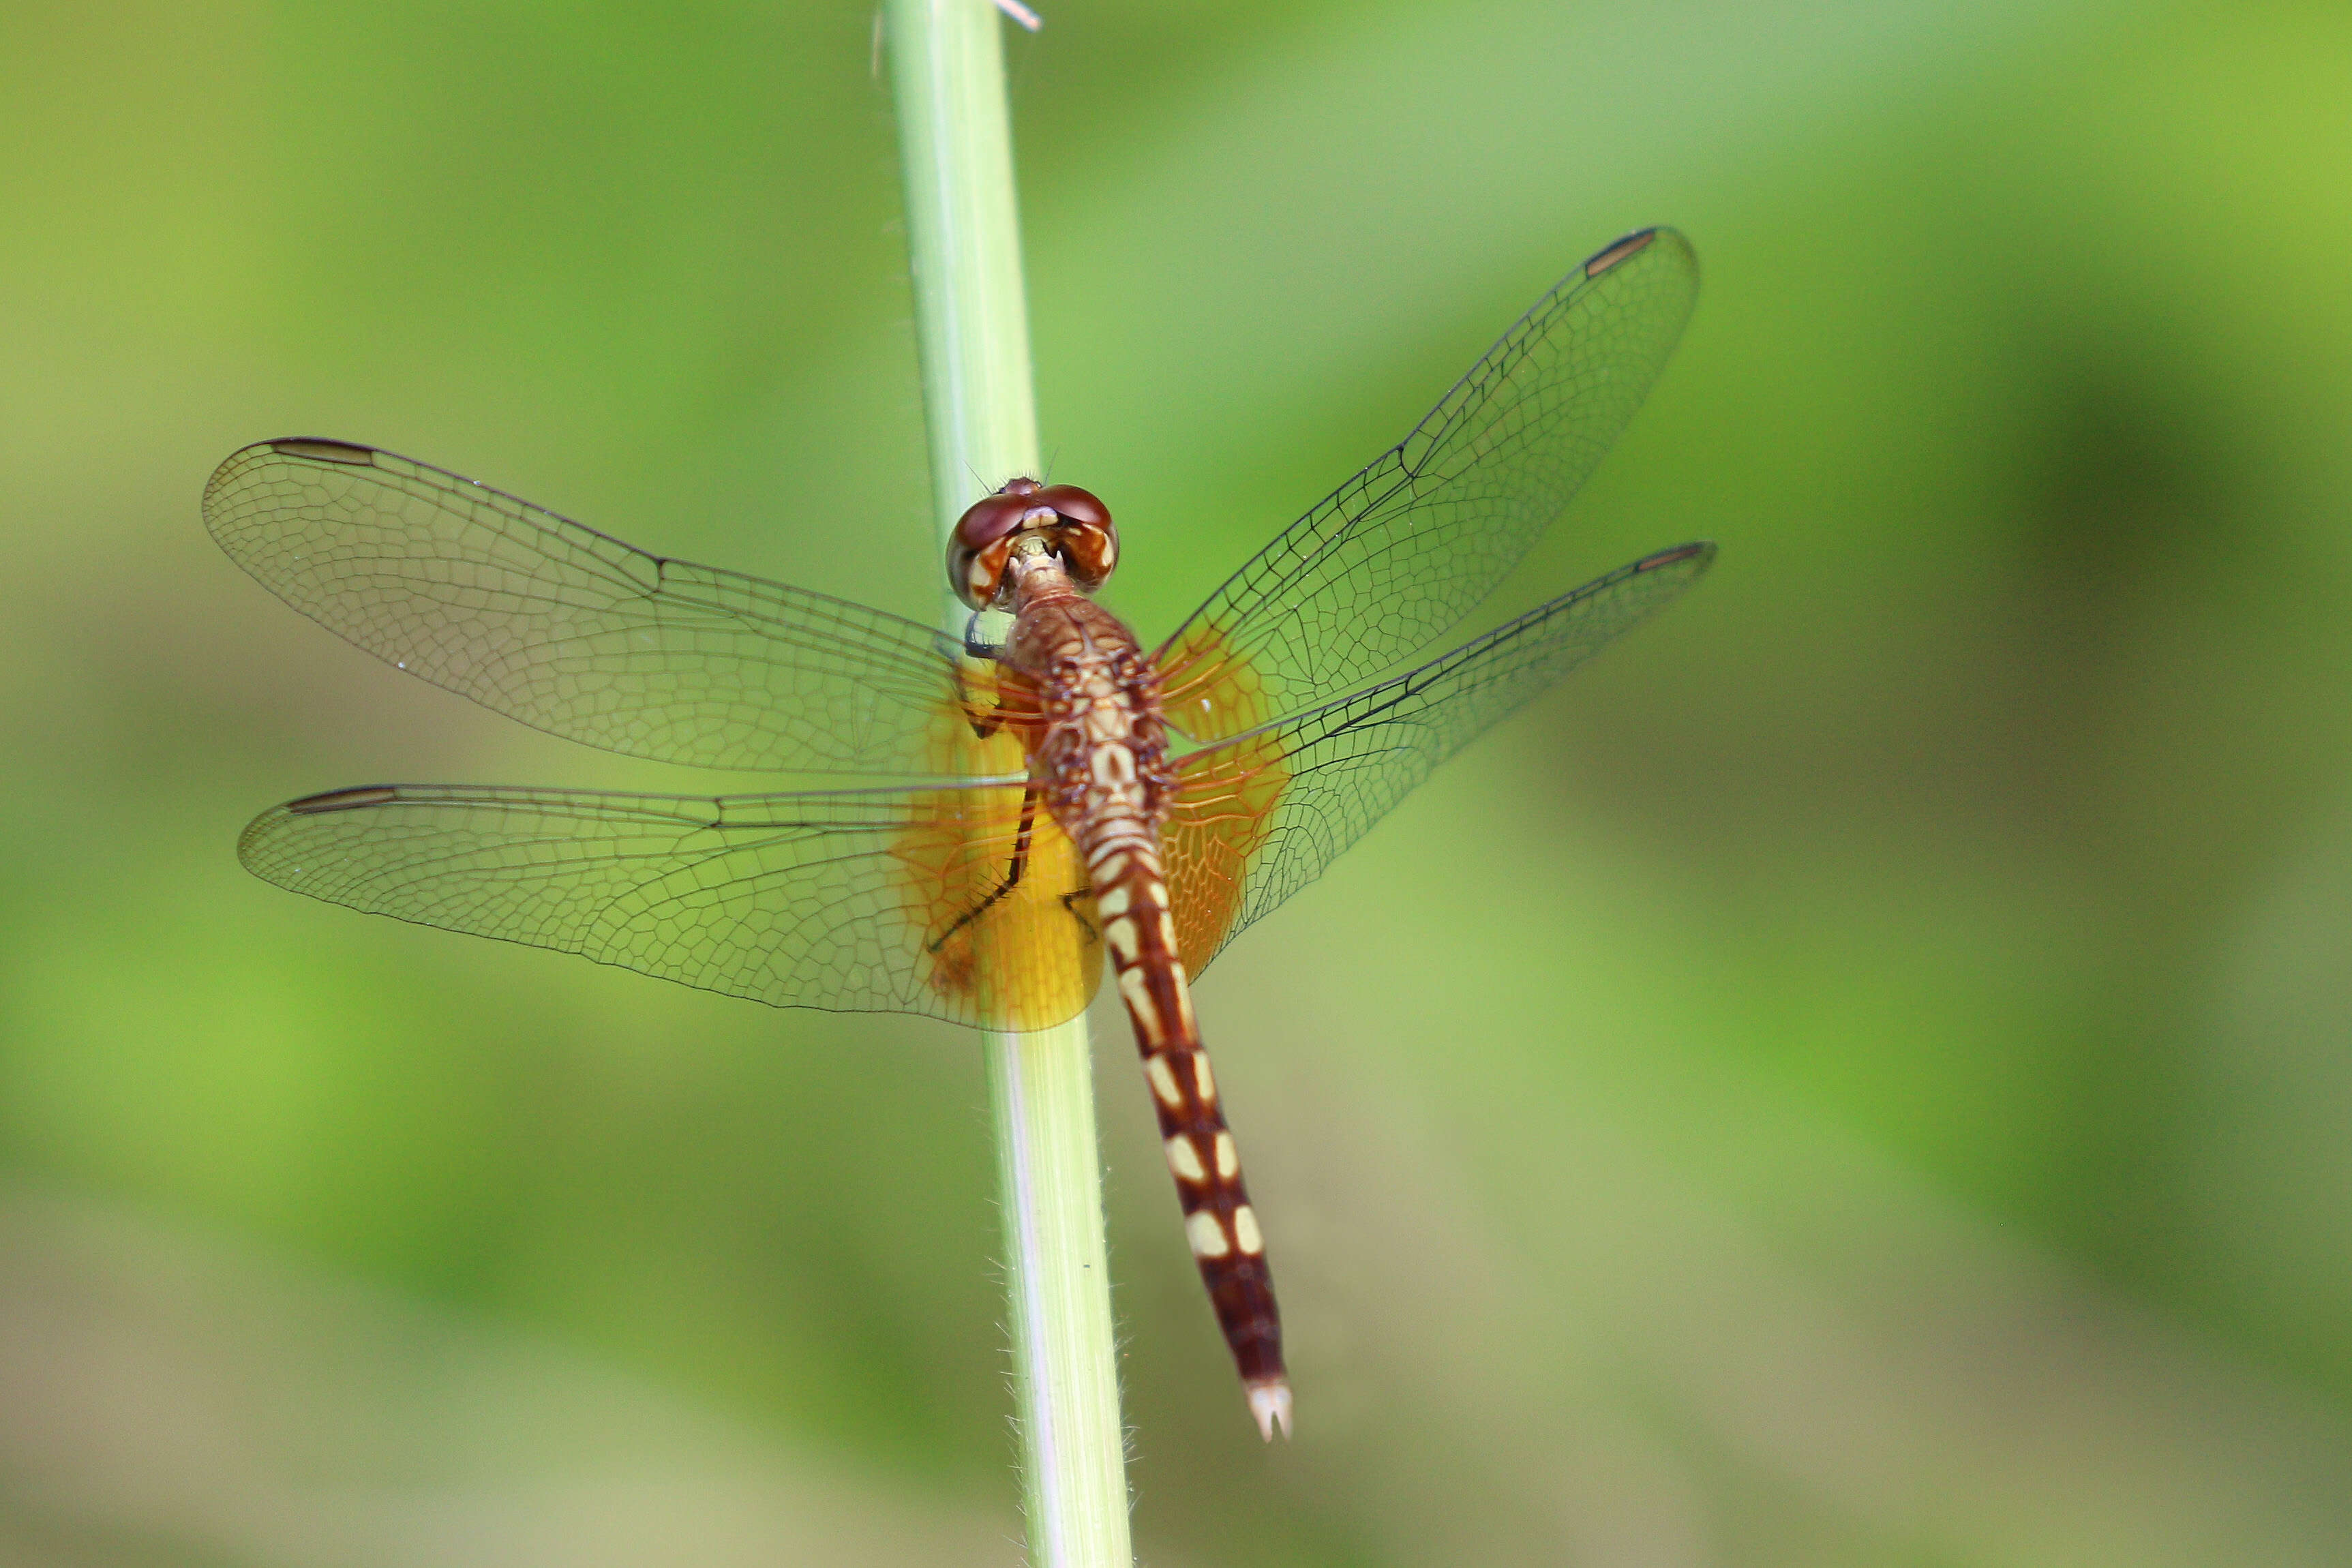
1068	521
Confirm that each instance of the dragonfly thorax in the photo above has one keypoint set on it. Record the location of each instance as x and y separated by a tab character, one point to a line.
1027	516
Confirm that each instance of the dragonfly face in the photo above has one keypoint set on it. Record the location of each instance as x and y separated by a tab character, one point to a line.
1021	824
1070	522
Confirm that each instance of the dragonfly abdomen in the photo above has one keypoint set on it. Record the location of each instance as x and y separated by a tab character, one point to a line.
1131	902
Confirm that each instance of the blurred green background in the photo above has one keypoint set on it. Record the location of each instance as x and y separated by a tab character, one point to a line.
1860	1078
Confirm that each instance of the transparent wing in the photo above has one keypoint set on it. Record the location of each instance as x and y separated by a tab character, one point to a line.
1259	817
1402	552
854	900
574	632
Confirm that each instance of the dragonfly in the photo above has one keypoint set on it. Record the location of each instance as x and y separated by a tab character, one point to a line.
1034	801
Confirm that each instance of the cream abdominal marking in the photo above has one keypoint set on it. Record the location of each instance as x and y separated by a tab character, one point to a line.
1246	1231
1163	1083
1134	989
1120	934
1207	1236
1185	1160
1229	1160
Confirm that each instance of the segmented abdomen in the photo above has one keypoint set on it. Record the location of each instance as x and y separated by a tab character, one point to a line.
1131	901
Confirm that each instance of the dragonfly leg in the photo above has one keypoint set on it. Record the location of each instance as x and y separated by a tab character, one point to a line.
985	723
1012	874
1070	902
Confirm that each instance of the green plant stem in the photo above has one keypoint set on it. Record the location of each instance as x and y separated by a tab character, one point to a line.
947	75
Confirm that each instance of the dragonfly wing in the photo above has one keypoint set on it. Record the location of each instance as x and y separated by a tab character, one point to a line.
574	632
1405	549
853	900
1259	817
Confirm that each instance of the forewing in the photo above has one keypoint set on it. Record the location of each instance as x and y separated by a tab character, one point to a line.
1259	817
1393	557
854	900
568	629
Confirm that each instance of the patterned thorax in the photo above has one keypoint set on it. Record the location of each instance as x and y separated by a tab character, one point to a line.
1101	753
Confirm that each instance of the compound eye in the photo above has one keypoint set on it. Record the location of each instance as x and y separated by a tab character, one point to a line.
1074	504
990	518
1086	536
982	542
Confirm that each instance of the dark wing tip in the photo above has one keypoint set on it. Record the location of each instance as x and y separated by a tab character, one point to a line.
324	451
343	800
1702	551
1610	255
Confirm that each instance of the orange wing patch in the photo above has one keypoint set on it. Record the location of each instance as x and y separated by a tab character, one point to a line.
1027	958
1208	690
1024	960
991	697
1222	816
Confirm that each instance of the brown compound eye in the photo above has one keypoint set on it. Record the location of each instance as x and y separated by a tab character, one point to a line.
1086	537
982	542
1077	524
